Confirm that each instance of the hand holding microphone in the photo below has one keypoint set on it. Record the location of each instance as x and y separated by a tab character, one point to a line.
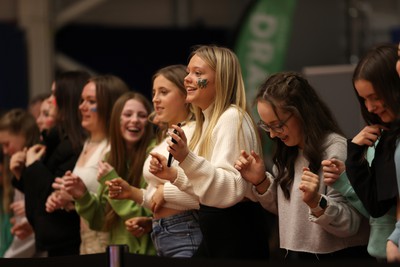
174	141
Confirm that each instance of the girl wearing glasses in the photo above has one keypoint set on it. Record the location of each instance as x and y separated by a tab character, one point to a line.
315	221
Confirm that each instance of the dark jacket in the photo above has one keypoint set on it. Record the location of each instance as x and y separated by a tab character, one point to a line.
59	230
375	185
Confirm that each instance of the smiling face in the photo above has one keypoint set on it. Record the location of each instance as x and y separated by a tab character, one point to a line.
372	102
200	83
169	101
290	133
133	121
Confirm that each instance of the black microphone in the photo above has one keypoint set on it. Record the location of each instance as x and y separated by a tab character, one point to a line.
173	141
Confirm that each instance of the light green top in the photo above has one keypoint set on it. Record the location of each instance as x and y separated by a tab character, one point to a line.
5	228
92	208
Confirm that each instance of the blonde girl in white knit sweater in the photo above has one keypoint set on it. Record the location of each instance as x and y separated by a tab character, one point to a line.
231	223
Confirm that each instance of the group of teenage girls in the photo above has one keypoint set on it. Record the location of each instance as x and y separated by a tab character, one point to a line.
186	176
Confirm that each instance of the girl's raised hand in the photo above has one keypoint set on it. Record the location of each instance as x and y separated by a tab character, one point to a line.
179	148
158	167
118	188
332	169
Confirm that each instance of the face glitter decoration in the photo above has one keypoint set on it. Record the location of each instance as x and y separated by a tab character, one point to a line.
202	83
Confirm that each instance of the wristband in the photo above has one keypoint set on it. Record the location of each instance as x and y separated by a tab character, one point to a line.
262	181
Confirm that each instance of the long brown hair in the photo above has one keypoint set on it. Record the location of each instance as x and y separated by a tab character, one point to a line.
378	66
108	89
127	163
69	86
291	93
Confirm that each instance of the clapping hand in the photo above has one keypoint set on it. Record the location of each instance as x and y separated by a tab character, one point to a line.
118	188
74	185
158	167
251	167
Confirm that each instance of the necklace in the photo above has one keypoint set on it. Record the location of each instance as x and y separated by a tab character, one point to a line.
91	145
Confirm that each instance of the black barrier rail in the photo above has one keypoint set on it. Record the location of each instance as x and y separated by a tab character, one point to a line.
117	256
95	260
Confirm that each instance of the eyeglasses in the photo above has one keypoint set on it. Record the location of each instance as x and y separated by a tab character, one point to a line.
277	129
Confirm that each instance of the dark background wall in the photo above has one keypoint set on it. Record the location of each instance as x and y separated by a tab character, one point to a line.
13	68
134	38
131	53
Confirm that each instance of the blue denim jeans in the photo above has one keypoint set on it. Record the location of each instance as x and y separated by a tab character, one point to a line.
178	235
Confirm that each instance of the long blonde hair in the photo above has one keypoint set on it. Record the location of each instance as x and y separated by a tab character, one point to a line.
230	91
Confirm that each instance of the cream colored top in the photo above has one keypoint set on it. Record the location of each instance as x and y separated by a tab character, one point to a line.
174	198
214	180
88	172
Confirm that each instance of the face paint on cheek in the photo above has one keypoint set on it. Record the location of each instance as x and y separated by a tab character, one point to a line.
93	109
202	83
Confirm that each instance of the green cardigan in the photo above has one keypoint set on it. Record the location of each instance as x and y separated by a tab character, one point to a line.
92	208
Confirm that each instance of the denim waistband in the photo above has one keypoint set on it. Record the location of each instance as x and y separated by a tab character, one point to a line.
177	218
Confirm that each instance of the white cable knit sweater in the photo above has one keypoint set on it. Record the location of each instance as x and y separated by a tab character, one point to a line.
174	198
215	180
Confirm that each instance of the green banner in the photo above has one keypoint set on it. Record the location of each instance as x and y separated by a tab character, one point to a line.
262	42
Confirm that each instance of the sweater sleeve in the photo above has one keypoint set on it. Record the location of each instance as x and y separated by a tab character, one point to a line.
59	228
269	198
37	178
339	218
211	179
343	186
395	236
180	199
124	208
92	207
37	182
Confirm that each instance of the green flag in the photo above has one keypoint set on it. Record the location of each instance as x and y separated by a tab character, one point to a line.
262	42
